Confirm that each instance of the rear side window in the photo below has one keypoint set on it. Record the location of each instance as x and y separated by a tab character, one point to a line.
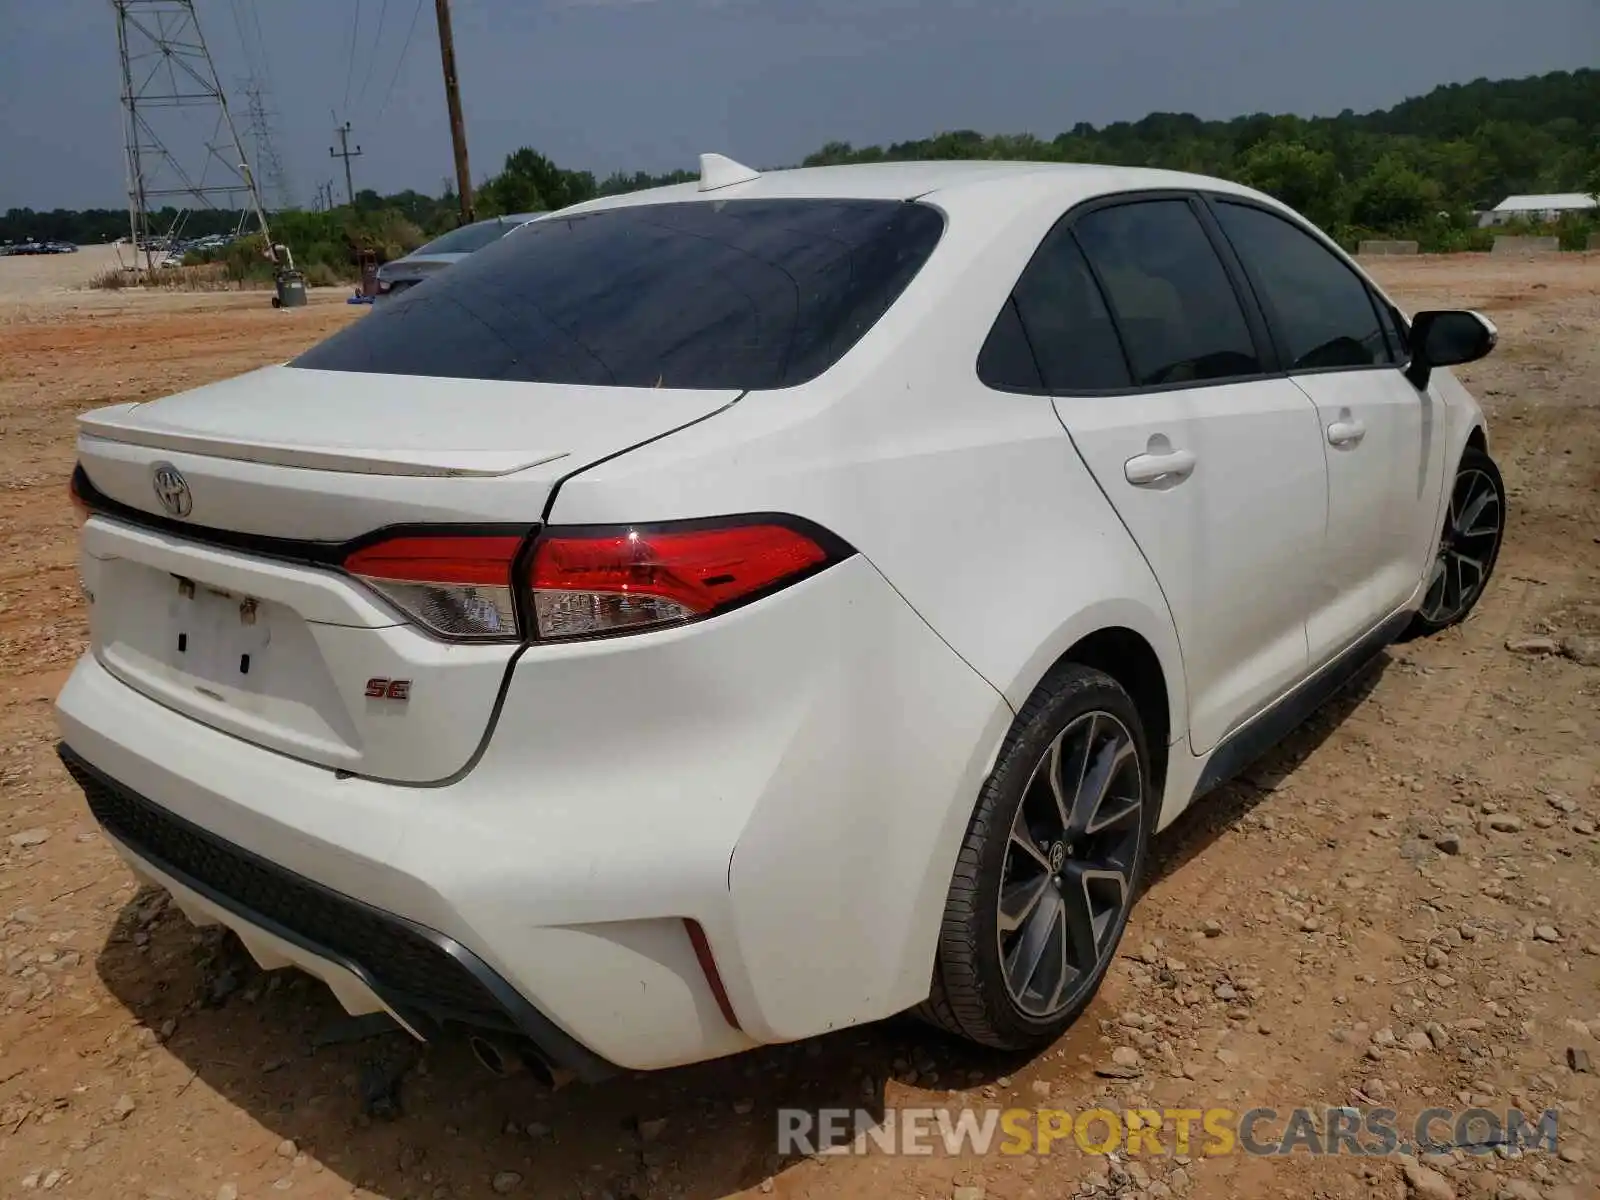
1065	320
1006	361
721	294
1179	316
1319	306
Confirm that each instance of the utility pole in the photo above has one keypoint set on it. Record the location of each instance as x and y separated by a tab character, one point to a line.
347	154
452	95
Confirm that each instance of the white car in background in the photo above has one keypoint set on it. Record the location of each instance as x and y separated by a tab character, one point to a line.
727	613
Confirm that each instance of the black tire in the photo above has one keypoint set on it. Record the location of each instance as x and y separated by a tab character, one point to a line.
1459	546
976	993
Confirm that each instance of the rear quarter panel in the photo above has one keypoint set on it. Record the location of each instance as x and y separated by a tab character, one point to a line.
976	511
972	503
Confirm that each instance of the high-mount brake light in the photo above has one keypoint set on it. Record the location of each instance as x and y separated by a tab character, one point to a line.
458	586
591	582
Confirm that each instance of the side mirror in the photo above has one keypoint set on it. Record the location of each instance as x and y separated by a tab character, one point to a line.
1448	338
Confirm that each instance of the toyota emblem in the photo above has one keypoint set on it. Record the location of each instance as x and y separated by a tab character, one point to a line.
171	489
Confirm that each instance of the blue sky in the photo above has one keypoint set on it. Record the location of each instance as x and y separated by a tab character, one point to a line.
649	84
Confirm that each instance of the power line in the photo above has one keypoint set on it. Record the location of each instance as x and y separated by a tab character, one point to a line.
261	41
401	61
350	71
244	41
372	59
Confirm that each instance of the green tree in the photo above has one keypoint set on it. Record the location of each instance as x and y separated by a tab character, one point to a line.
530	182
1306	180
1455	149
1392	195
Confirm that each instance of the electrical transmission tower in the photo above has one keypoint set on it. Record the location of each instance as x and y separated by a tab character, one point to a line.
179	134
271	177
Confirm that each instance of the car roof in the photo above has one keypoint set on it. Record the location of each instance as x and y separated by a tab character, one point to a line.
970	180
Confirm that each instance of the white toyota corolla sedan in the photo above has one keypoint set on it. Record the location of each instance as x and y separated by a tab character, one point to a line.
726	613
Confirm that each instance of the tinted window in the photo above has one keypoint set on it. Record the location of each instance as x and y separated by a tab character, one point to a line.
466	239
729	294
1320	307
1006	360
1174	305
1066	322
1394	328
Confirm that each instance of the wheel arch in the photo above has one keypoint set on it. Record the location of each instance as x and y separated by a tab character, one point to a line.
1125	656
1130	655
1478	439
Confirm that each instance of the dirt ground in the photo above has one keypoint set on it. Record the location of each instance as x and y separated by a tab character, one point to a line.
50	277
1397	908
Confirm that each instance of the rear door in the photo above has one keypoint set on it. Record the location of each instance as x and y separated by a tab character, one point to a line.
1215	467
1383	437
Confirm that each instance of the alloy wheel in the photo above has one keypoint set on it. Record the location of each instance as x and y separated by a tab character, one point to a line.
1066	884
1467	549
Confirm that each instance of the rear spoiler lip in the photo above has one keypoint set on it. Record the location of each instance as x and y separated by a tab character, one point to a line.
426	464
303	551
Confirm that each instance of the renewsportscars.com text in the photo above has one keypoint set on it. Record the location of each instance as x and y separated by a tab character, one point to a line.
1201	1132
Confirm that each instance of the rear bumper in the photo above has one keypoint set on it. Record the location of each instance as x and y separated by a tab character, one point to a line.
372	961
795	777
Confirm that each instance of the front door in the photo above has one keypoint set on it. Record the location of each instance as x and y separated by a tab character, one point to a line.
1383	438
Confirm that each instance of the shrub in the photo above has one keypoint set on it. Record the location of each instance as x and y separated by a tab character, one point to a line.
320	274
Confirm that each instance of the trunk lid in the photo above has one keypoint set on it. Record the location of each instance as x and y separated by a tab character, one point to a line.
287	452
233	611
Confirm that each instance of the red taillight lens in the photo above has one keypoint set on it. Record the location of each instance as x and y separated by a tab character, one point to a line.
457	586
615	581
589	581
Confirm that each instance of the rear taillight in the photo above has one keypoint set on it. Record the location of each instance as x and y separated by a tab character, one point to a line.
456	586
582	582
603	581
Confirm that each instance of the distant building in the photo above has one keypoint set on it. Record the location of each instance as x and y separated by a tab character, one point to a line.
1536	208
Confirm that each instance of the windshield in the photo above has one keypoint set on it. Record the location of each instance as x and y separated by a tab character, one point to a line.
467	239
730	294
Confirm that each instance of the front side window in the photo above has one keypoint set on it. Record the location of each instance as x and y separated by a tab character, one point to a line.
1173	302
740	294
1394	328
1319	306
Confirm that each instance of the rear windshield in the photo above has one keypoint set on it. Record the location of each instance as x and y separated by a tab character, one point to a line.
466	239
729	294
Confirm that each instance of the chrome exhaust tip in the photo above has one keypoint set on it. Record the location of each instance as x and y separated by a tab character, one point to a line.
500	1059
504	1058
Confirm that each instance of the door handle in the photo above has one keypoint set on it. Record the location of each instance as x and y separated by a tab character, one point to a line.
1346	432
1172	466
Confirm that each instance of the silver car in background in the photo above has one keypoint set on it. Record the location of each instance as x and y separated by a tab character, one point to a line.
445	251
